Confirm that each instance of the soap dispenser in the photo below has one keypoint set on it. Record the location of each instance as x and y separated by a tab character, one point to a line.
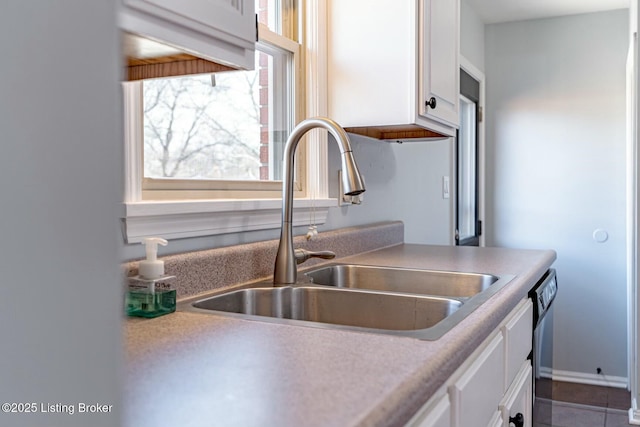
149	294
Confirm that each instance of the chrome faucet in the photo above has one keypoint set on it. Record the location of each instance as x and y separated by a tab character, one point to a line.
286	271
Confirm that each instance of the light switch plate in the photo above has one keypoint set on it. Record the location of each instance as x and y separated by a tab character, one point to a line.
446	192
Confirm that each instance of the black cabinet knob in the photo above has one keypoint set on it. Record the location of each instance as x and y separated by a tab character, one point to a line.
432	102
518	420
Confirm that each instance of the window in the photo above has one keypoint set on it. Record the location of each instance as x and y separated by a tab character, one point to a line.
219	135
203	153
204	127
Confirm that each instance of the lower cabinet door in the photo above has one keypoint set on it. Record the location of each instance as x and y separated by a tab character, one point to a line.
437	414
517	404
475	396
517	333
496	420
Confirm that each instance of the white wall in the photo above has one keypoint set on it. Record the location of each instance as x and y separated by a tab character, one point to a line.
472	36
60	185
556	171
404	182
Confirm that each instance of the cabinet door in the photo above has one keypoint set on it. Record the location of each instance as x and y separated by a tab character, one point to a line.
234	17
519	397
476	395
434	415
496	420
440	49
518	339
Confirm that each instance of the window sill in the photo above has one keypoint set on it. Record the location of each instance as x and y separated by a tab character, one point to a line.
195	218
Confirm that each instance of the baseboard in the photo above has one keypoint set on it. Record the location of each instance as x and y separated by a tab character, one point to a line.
583	378
634	412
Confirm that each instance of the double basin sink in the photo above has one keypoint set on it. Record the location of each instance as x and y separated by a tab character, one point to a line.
423	304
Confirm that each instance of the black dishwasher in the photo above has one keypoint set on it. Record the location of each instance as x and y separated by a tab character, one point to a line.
543	295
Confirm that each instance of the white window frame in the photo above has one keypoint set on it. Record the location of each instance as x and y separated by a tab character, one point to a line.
195	218
212	189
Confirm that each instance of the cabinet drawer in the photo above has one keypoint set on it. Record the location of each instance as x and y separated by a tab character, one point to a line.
518	339
476	395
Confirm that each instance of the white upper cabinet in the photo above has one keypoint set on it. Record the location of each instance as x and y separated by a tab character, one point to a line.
386	59
223	31
441	35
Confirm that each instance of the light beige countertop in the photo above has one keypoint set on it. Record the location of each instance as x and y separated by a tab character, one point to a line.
192	369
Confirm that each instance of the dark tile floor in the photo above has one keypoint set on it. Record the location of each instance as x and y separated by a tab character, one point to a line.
581	405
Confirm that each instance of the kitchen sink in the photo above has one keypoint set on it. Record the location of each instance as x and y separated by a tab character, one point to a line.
423	304
422	282
336	306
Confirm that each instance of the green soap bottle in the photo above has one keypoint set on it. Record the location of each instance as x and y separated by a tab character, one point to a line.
149	295
150	300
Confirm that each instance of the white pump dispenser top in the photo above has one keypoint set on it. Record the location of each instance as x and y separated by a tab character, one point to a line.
152	268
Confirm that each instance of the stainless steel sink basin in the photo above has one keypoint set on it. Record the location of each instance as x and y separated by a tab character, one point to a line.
422	282
374	310
423	304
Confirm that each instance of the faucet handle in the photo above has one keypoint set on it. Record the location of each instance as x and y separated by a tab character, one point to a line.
302	255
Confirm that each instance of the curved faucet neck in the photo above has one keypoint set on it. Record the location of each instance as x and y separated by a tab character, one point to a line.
285	271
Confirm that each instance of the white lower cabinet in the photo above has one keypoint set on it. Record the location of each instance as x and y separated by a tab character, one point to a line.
517	332
496	420
436	415
516	404
493	385
476	395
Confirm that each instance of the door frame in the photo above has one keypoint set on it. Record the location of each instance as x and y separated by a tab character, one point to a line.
633	229
478	75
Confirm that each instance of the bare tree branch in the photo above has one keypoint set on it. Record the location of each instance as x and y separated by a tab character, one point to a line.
181	124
